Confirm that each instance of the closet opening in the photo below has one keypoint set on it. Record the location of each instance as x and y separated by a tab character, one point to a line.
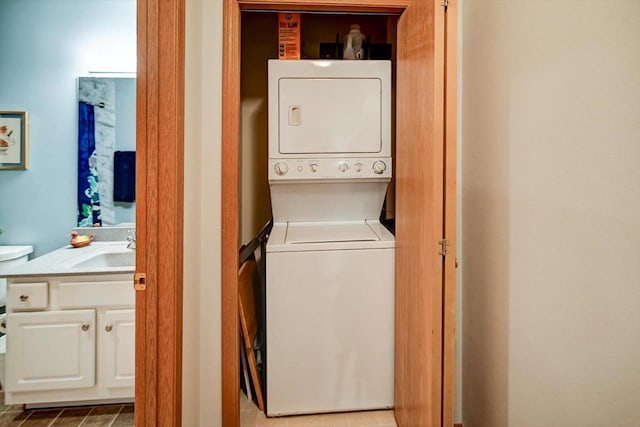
323	36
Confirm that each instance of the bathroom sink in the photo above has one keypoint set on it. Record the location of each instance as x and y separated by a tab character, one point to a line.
102	256
108	259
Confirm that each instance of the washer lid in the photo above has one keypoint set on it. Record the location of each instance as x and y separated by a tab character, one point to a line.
322	232
323	236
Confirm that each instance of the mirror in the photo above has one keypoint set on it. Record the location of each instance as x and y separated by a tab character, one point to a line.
106	151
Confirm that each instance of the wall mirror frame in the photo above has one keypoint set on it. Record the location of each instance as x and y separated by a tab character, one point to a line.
106	128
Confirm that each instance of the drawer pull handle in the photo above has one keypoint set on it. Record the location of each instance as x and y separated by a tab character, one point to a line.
85	327
23	298
108	328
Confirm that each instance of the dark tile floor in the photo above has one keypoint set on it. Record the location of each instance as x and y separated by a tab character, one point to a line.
85	416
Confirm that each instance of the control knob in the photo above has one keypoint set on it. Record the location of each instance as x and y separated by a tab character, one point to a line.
379	167
343	167
313	167
358	167
281	168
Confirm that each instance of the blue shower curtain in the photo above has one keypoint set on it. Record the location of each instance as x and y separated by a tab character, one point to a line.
88	194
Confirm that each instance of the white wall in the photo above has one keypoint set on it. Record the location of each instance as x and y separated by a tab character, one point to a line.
551	214
201	398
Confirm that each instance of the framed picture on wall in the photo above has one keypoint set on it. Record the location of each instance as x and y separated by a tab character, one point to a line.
13	140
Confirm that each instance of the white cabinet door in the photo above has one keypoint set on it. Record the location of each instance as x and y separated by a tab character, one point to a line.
119	348
50	350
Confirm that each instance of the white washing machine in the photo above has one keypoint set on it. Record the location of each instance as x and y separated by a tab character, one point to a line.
330	263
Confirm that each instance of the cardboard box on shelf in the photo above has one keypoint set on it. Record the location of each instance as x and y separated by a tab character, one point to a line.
288	35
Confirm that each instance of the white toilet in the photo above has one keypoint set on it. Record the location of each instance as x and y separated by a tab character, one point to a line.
10	256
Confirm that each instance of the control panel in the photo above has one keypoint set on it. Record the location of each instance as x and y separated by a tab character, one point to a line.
334	168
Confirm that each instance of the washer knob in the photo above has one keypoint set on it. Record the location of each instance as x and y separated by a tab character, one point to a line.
379	167
358	167
343	167
313	167
281	168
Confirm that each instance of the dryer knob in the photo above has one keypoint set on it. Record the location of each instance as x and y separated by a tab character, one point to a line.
343	167
281	168
379	167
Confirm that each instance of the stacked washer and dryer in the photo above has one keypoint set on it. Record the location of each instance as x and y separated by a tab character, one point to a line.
330	262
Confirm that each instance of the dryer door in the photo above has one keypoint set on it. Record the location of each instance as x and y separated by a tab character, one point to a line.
330	115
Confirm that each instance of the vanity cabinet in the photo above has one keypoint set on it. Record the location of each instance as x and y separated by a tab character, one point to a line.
51	350
70	339
119	348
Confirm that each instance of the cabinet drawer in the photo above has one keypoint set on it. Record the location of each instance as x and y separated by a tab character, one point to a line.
96	294
28	296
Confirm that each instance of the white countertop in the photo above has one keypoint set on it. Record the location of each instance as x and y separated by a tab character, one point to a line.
13	252
62	262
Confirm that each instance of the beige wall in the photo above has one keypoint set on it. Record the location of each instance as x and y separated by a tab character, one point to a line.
201	405
551	213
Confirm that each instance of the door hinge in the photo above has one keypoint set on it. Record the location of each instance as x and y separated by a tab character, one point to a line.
140	281
443	246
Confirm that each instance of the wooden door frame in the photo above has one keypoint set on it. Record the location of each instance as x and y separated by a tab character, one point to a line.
450	206
230	171
231	185
159	211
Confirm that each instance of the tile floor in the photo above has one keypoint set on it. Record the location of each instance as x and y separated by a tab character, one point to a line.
250	416
122	416
85	416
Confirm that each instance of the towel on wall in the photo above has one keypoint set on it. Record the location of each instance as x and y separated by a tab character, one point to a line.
124	176
88	192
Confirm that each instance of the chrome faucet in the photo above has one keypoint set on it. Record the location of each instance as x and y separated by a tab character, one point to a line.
131	238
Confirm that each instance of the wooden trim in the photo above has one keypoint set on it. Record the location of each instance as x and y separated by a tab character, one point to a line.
449	279
159	218
375	6
146	366
230	213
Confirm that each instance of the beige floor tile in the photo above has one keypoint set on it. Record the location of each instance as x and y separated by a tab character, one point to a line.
262	421
304	421
248	418
337	420
363	419
386	418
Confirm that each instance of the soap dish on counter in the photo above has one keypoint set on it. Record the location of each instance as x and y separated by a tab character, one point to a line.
80	241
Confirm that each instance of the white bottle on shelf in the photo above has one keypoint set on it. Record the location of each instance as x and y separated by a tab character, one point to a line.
354	44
